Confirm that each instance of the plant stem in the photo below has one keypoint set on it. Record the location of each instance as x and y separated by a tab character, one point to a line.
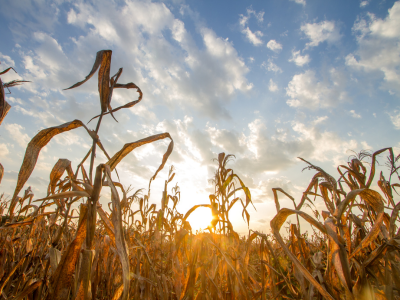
94	149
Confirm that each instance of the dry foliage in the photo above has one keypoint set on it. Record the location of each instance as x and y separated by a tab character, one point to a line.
151	253
4	105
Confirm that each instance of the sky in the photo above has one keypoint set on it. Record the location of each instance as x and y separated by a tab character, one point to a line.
267	81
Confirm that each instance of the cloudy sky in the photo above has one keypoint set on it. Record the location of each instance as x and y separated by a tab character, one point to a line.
268	81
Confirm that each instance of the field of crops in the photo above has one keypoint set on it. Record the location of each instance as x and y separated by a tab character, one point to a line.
48	250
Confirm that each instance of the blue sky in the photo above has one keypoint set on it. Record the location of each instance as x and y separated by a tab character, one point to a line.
267	81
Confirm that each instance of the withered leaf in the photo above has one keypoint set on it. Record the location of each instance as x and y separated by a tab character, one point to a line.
28	290
127	148
56	173
276	225
32	153
1	172
120	242
61	279
103	61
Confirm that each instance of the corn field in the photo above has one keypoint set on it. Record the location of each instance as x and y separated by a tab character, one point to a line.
48	250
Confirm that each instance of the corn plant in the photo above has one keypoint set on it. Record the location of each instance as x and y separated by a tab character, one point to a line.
50	248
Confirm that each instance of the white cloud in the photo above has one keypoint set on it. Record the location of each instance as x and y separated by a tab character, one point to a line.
270	66
320	120
30	16
260	151
14	100
274	150
266	193
354	114
303	2
298	59
169	73
379	47
250	11
243	20
46	117
306	91
274	46
321	32
3	150
365	146
15	132
364	3
229	140
259	15
272	86
6	61
326	144
252	37
395	118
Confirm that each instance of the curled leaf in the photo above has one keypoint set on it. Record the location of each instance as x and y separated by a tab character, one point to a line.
127	148
276	225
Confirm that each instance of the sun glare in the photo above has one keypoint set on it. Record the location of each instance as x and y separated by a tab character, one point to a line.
200	218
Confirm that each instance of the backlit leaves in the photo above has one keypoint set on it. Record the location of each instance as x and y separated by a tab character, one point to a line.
94	238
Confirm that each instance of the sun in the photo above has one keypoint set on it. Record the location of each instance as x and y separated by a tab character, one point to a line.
200	218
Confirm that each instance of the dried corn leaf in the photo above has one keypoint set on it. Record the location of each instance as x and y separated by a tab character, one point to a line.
130	85
63	195
375	200
372	171
276	225
32	153
120	242
28	290
275	190
1	172
127	148
61	280
340	258
55	257
103	61
56	173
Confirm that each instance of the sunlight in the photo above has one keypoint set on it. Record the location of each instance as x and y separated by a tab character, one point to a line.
200	218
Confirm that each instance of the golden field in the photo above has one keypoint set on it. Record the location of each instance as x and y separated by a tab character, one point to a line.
51	251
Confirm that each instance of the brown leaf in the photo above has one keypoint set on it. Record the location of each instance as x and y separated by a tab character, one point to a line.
127	148
103	61
29	289
63	195
375	200
56	173
32	153
372	171
14	225
275	190
340	258
107	224
239	278
29	246
2	102
276	224
61	280
6	107
11	272
1	172
6	70
14	83
120	242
